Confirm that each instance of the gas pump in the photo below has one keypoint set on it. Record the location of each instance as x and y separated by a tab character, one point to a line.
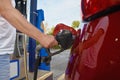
18	61
21	6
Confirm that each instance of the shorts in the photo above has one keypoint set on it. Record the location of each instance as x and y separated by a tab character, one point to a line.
5	67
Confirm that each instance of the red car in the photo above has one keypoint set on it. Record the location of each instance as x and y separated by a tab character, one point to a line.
95	54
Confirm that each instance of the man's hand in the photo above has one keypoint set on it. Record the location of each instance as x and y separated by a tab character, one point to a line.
48	41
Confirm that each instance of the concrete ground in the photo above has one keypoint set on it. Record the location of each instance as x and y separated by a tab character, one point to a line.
59	63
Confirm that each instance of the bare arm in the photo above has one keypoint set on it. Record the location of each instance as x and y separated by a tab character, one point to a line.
14	17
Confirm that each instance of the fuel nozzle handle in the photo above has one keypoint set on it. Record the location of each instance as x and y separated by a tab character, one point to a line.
65	40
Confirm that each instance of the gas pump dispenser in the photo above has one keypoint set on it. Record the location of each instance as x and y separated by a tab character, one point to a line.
18	61
21	6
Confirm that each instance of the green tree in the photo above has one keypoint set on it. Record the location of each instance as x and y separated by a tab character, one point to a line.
51	30
75	24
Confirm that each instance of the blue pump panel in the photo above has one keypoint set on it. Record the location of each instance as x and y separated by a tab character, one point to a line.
32	42
36	17
42	52
43	65
40	18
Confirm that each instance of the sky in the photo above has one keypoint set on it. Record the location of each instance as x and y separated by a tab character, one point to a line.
60	11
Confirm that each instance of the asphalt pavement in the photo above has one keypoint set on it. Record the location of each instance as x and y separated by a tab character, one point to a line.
59	63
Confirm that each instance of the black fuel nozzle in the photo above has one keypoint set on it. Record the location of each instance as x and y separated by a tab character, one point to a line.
65	39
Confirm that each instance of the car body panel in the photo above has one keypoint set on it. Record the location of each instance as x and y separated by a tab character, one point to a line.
108	57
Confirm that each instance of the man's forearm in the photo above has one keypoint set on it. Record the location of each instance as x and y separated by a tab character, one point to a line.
14	17
20	23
